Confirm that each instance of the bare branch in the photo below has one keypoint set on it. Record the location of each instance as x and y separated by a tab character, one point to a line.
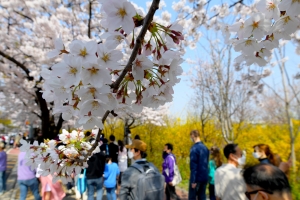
23	67
90	19
25	16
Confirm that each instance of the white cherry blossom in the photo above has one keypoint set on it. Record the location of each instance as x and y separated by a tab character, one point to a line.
140	64
86	51
269	8
95	74
119	14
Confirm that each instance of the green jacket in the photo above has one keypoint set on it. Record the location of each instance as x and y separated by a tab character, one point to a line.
211	173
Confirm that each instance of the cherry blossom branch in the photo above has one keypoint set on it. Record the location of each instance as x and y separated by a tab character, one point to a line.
115	85
25	16
25	69
90	19
97	139
235	3
139	39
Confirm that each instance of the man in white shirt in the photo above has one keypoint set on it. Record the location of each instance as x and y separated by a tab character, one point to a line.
229	183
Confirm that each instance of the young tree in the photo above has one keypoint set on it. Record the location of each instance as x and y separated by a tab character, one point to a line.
221	96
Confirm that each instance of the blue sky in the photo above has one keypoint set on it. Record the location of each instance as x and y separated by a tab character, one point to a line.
183	92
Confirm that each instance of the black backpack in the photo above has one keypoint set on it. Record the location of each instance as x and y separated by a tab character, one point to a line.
150	184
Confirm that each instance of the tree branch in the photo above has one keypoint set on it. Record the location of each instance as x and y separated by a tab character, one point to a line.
59	123
23	67
148	19
90	19
25	16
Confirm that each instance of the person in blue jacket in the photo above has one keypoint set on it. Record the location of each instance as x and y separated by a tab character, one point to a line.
111	174
199	157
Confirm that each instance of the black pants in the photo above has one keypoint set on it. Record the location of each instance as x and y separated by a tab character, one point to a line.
171	193
120	178
211	189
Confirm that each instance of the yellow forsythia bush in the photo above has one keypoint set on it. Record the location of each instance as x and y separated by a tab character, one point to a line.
177	132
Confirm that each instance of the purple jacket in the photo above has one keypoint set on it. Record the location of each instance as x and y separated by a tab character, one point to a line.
168	167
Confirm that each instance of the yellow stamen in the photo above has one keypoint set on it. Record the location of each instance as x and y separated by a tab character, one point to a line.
73	70
119	38
95	104
92	91
286	19
271	6
248	42
105	57
93	70
255	25
83	52
122	12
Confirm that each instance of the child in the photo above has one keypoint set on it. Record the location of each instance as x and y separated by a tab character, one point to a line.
111	174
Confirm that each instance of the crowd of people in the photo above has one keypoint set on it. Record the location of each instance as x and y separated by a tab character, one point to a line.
124	170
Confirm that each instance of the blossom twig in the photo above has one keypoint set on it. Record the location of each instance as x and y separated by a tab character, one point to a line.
139	39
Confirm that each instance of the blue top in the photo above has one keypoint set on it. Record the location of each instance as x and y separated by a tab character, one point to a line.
110	175
199	156
212	170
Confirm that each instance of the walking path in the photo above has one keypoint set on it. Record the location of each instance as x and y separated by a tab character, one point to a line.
12	188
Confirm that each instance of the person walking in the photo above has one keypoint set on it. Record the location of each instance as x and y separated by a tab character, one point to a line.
111	174
229	183
94	175
168	171
214	162
49	189
113	149
27	179
141	180
3	164
122	159
199	157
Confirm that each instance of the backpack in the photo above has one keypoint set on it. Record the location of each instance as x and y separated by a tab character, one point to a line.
177	176
150	184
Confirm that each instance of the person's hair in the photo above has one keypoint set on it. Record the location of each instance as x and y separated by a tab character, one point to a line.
108	159
143	154
228	149
267	177
2	145
270	155
105	140
112	138
137	137
121	145
216	156
169	146
195	133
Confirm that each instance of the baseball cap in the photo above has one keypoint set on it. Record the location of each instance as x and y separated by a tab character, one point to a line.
137	144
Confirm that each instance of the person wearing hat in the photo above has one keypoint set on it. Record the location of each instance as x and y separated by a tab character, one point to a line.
129	187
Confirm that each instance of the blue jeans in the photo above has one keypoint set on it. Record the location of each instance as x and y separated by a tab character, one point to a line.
199	191
111	193
91	185
2	181
33	184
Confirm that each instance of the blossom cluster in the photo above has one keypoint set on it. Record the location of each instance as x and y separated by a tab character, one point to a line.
259	34
82	86
60	158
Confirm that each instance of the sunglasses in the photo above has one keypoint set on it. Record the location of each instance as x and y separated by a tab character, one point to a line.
248	194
